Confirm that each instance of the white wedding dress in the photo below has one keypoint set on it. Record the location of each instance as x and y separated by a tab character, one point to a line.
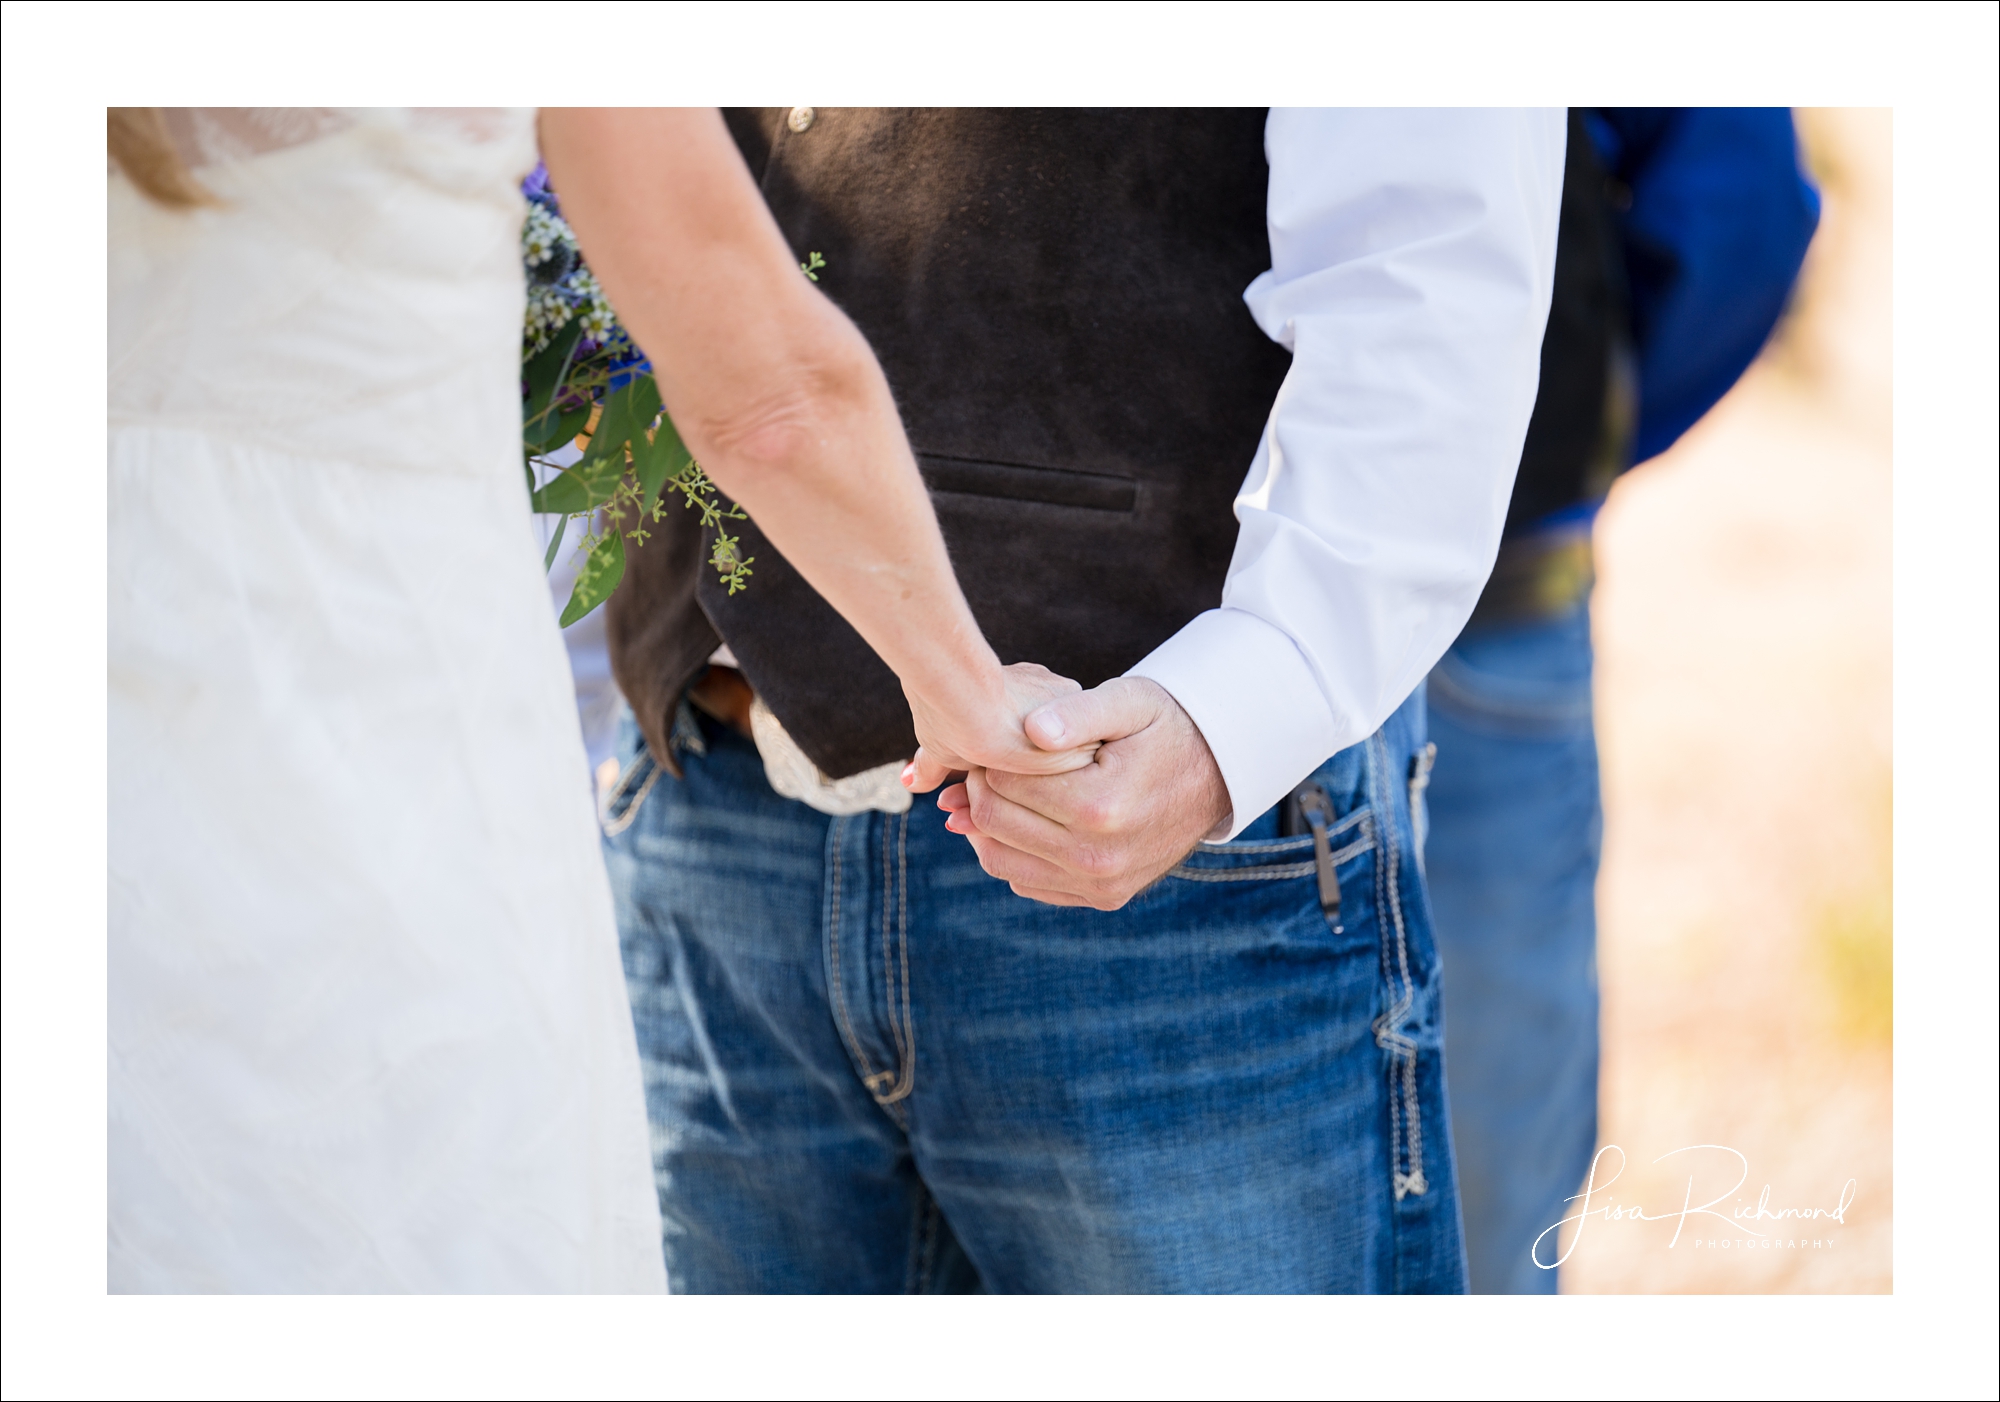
368	1028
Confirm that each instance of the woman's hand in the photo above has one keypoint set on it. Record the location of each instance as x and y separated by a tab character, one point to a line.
957	734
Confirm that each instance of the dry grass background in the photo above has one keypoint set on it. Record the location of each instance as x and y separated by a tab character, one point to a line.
1743	631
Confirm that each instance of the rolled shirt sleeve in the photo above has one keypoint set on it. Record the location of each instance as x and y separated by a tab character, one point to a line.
1412	257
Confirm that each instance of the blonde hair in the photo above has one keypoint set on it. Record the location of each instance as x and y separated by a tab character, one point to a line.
141	147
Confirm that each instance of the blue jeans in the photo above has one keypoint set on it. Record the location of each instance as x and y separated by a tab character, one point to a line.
872	1067
1515	833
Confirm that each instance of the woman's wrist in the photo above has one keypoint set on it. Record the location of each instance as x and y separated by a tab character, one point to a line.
966	683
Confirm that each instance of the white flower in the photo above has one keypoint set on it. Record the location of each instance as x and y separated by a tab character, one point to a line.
543	234
548	312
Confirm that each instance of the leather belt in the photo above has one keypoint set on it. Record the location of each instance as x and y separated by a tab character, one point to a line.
723	694
1538	576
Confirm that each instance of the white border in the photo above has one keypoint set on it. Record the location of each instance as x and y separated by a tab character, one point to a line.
62	63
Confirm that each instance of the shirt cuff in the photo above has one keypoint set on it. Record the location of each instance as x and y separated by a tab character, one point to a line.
1249	690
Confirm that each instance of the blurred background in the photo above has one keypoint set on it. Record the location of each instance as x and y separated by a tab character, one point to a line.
1742	625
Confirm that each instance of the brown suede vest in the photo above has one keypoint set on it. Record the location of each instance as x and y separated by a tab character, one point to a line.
1057	300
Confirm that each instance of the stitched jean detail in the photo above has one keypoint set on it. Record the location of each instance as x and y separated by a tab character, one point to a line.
869	989
1420	781
896	960
1406	1143
1364	842
1302	843
836	988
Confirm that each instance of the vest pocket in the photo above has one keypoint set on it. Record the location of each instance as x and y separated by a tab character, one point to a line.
1091	491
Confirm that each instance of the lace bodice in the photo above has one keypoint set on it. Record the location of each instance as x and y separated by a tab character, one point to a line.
211	136
261	318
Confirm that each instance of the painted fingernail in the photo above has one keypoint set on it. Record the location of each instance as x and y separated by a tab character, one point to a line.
909	774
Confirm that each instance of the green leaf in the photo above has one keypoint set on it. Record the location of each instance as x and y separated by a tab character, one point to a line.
545	373
614	427
665	457
567	492
585	486
555	543
590	481
556	430
602	569
644	392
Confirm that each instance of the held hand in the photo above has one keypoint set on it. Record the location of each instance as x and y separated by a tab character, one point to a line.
952	741
1097	835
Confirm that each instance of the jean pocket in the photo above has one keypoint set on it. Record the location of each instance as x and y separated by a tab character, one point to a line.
1496	703
1531	680
629	794
1278	859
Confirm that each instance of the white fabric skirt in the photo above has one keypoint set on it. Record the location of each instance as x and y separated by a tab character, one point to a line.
368	1027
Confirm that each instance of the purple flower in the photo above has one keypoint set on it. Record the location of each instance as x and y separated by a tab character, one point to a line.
536	187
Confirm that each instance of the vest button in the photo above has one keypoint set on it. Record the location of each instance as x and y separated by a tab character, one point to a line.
801	118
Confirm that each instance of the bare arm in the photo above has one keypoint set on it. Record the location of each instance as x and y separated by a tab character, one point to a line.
781	400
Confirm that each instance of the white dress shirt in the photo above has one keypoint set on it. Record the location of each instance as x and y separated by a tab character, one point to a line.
1412	256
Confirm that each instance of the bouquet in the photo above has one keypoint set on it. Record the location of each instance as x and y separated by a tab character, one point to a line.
583	379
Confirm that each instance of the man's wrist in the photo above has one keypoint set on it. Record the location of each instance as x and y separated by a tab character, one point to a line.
1217	805
1252	695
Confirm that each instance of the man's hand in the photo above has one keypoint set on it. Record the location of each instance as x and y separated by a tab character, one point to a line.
1098	835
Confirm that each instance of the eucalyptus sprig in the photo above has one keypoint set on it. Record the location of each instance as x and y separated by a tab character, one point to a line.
584	379
701	494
